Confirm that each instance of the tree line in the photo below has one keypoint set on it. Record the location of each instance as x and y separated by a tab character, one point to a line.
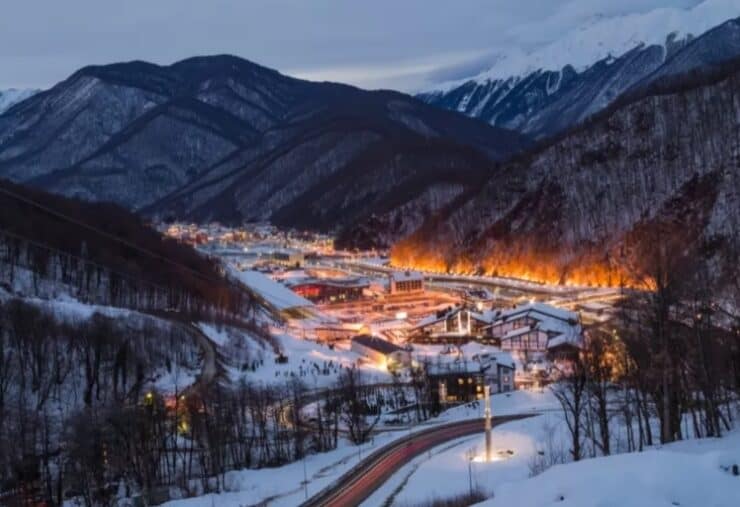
105	251
81	416
666	367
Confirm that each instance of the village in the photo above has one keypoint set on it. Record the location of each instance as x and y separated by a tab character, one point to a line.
463	332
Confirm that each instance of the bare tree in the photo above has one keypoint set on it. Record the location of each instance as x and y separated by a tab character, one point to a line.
570	391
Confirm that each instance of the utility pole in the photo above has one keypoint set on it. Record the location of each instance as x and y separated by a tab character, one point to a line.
487	417
470	477
305	477
470	456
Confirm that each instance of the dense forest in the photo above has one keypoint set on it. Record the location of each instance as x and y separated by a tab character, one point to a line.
101	249
581	208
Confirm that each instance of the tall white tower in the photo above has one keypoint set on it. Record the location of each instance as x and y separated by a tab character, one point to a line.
487	417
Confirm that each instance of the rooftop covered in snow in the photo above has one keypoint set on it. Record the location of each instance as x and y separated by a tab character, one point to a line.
274	293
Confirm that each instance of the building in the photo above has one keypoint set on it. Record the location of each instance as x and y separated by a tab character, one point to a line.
338	331
405	282
457	379
289	258
453	325
453	386
330	290
536	327
380	351
499	369
282	301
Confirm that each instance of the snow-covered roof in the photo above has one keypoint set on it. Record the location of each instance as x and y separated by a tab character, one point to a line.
487	316
469	358
443	365
561	325
539	308
505	358
274	293
438	317
375	343
429	320
358	282
403	276
516	332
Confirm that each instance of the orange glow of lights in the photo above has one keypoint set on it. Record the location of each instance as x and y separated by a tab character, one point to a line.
521	263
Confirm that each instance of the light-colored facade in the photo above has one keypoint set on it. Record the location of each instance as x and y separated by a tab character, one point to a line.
405	282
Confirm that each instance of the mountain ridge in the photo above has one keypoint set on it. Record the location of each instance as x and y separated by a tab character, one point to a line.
543	102
183	139
592	205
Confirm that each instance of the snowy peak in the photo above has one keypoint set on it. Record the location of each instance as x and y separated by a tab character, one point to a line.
605	37
566	81
12	96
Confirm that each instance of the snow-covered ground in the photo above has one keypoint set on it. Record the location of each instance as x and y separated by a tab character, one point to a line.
689	473
317	365
443	473
250	487
283	487
523	401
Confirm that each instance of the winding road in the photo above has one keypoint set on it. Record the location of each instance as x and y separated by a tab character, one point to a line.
356	485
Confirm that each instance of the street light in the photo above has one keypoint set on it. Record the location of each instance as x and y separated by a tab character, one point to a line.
471	456
305	477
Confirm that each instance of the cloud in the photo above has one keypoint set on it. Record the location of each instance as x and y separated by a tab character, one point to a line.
379	43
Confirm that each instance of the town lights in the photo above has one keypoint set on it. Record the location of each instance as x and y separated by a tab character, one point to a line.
149	398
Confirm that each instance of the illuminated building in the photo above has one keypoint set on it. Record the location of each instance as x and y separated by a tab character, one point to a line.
405	282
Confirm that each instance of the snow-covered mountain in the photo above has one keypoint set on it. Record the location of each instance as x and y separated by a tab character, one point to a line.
222	138
660	165
561	83
12	96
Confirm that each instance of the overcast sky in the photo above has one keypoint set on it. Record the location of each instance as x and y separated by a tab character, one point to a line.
371	43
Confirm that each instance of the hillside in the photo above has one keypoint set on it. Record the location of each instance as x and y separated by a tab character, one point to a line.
659	167
100	248
221	138
572	78
655	477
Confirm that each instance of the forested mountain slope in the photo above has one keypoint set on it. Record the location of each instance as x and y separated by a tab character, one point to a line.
658	173
221	138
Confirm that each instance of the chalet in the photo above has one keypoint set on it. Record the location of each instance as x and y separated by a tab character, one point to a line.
453	325
380	351
460	380
405	282
537	327
455	386
500	370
